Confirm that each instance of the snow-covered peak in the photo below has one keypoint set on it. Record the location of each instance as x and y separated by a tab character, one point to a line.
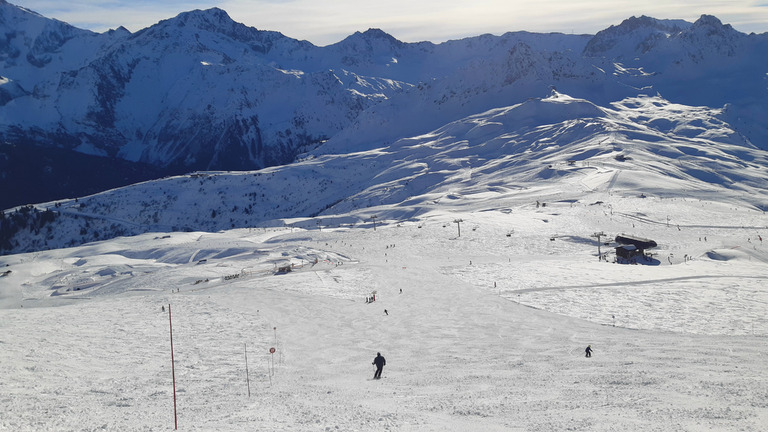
665	42
712	26
29	38
189	27
213	17
16	19
373	37
120	31
212	20
372	47
216	20
708	35
11	14
632	37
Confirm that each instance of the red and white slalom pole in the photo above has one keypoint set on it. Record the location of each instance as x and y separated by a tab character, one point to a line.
173	373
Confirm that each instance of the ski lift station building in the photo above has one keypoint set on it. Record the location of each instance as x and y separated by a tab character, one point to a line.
631	246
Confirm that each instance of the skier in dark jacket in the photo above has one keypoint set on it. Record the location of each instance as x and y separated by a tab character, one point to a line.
379	362
588	350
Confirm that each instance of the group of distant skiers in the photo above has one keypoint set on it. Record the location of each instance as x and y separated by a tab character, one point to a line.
379	361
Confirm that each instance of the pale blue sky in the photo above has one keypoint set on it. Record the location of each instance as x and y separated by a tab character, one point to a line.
323	22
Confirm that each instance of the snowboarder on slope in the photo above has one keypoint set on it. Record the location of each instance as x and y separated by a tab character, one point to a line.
379	362
588	350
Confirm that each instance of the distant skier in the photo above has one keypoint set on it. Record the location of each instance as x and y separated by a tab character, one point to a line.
588	350
385	312
379	362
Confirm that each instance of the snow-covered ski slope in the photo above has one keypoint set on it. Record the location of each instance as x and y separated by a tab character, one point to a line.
488	333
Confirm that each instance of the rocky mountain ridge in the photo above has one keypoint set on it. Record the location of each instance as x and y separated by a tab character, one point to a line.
202	92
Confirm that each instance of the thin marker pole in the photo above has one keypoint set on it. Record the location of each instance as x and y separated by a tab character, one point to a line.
247	379
173	373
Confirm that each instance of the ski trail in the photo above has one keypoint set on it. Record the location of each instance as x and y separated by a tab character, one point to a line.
612	182
634	283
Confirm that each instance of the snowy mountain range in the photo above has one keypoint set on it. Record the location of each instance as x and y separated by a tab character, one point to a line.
557	148
368	121
457	207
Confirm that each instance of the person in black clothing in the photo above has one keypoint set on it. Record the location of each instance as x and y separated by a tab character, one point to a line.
589	350
379	362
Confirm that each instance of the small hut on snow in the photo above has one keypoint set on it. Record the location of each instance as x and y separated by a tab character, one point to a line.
631	247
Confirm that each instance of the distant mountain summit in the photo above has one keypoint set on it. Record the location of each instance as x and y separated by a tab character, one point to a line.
29	39
200	91
634	36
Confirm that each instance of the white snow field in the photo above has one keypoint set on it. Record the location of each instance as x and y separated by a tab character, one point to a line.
488	333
